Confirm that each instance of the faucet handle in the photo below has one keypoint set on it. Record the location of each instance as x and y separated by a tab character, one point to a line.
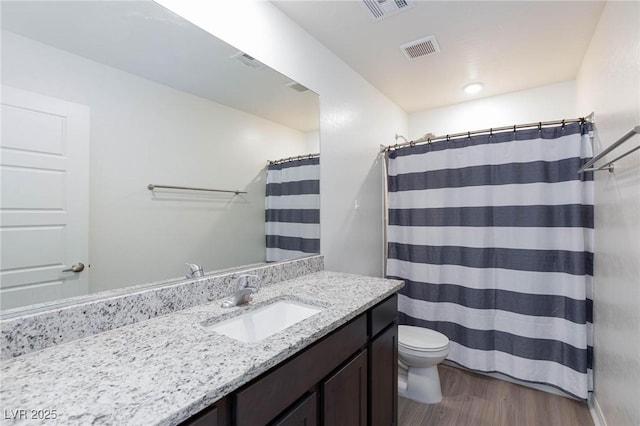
194	270
243	281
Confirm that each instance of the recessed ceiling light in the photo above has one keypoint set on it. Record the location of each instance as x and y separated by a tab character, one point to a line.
473	88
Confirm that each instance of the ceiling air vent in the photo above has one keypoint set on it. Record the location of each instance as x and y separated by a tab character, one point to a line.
380	9
249	61
296	86
421	47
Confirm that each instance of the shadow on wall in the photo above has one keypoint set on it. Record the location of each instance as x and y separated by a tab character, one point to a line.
361	228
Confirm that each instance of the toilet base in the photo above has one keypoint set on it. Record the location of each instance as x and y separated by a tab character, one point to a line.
420	385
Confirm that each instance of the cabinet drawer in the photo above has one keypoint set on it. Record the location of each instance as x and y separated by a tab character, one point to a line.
260	402
383	314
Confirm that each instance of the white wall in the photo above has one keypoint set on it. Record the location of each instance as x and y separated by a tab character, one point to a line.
355	119
313	142
609	84
546	103
143	132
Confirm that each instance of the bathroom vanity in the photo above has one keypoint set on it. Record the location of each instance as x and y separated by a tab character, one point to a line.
347	378
337	366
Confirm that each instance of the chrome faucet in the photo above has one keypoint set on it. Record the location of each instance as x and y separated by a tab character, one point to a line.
243	292
194	270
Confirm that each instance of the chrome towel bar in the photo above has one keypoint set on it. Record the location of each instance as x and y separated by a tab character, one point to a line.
609	166
152	187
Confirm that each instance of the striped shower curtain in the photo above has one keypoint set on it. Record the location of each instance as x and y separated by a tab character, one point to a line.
292	213
493	236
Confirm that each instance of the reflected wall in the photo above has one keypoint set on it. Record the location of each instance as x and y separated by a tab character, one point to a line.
141	133
144	132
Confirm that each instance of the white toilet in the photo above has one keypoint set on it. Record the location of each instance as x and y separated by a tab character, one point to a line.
420	350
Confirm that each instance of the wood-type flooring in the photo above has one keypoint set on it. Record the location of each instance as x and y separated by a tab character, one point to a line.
471	399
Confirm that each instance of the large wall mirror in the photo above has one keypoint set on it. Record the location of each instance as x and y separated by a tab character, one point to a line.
100	99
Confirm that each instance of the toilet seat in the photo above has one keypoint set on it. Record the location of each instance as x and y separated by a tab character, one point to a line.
421	339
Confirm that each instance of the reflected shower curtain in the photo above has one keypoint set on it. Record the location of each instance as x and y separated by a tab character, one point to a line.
493	236
292	216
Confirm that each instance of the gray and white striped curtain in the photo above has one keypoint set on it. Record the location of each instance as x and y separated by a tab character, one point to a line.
292	213
493	236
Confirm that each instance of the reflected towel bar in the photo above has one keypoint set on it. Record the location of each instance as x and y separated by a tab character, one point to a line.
609	166
151	187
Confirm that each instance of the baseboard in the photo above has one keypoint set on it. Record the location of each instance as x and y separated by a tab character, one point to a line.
596	411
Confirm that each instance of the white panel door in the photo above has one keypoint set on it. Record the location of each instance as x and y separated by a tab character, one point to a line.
44	203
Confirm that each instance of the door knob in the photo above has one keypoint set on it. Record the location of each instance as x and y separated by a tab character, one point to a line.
76	267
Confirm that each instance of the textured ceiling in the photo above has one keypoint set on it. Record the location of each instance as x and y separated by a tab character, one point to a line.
507	45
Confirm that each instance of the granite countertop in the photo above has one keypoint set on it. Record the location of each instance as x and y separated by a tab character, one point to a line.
166	369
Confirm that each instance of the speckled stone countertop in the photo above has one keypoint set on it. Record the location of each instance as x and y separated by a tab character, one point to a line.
36	327
166	369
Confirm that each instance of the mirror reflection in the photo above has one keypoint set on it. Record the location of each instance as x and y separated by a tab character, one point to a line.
102	99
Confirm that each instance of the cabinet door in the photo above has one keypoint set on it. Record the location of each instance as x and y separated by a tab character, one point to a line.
384	378
345	394
303	414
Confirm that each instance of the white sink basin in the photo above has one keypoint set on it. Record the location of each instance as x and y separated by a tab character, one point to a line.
265	321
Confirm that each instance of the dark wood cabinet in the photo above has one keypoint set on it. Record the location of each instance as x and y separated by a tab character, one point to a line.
383	363
304	413
349	377
266	397
345	394
216	415
383	354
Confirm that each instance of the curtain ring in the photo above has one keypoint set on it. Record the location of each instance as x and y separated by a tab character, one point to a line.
469	134
539	126
448	138
514	128
563	123
429	141
491	132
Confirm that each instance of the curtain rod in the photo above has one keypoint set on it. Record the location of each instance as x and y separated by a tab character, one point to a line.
430	138
297	157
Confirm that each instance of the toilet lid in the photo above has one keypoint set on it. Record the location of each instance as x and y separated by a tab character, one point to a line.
421	339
